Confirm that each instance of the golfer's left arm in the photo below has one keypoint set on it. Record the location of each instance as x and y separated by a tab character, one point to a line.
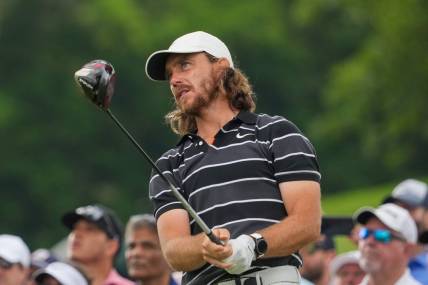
302	200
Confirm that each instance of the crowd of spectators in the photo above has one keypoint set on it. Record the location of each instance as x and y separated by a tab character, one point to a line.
389	242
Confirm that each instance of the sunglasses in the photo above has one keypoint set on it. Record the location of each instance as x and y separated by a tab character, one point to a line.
4	264
380	235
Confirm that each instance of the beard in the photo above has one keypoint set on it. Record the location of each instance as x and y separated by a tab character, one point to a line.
370	265
203	99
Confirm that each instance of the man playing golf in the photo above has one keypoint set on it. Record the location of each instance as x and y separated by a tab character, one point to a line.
253	178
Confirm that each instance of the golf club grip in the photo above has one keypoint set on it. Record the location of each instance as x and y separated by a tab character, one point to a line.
214	238
174	190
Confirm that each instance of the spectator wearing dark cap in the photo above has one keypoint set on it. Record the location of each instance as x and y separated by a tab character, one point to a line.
144	259
14	260
412	195
316	260
60	273
385	241
94	242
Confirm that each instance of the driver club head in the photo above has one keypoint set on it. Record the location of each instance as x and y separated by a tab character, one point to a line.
96	79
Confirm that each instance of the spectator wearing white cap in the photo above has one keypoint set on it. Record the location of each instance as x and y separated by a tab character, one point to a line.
412	195
14	260
385	241
345	269
60	273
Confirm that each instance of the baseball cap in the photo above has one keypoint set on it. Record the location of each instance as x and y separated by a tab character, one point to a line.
66	274
392	216
411	192
189	43
42	257
340	260
101	216
14	250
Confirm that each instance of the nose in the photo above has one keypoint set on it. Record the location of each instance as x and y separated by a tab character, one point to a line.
175	79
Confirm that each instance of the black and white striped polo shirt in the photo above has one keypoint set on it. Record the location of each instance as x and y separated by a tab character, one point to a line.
233	183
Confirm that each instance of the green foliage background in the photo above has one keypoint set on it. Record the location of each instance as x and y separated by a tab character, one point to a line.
351	74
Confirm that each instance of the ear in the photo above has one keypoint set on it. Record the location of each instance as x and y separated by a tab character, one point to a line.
223	63
112	247
412	250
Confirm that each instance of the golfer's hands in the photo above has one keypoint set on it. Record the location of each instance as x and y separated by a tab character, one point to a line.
214	253
242	256
235	256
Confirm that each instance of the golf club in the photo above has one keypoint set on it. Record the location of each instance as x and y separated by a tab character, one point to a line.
96	79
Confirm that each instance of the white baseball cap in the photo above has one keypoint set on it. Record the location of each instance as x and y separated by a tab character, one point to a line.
14	250
393	216
188	43
63	272
340	260
412	192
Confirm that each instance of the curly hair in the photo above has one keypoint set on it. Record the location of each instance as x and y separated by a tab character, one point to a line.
238	91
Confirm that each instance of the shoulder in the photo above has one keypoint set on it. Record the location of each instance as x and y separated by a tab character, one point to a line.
115	279
274	127
170	157
407	279
265	121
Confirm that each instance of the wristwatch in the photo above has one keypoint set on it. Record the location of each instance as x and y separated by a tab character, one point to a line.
261	245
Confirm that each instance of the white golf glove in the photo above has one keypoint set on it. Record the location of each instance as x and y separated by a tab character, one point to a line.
242	256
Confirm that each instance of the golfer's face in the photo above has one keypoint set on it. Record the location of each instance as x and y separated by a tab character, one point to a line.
191	79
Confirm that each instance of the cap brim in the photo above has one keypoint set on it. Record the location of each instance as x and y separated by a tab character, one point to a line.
69	219
6	255
39	275
155	64
363	215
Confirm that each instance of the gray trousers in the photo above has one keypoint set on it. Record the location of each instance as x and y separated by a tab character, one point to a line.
281	275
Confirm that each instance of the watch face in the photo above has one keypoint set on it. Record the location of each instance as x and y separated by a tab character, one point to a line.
261	246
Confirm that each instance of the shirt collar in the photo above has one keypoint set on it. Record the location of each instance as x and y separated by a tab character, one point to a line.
246	117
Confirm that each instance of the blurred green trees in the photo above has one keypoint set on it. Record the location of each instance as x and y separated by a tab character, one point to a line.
351	74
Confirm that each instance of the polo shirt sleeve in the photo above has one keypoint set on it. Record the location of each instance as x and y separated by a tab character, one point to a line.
160	193
293	155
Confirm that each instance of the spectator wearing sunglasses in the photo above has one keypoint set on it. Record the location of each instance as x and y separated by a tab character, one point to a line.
412	195
14	260
385	241
94	242
60	273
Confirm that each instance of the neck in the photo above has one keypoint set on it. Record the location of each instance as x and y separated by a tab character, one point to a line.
97	272
324	279
213	118
386	278
158	280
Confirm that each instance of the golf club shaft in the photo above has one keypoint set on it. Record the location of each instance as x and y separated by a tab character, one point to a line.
174	190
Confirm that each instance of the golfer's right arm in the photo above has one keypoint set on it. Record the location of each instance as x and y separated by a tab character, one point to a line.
183	251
